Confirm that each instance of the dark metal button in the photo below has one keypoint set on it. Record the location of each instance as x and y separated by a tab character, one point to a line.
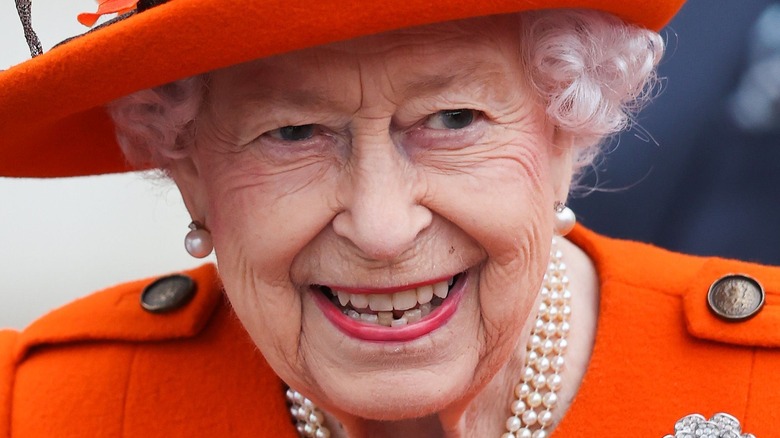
167	293
736	297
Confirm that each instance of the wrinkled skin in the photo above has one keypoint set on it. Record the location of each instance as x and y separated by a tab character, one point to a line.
386	188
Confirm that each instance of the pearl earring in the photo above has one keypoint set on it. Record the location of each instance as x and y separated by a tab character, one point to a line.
564	219
198	241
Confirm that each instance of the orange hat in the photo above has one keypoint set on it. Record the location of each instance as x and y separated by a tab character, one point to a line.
52	121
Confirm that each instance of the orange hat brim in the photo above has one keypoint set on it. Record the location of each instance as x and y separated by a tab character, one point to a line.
52	121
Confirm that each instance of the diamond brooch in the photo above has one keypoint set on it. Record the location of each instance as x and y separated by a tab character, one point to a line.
721	425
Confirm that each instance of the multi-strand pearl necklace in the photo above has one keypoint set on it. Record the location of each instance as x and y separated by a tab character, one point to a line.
536	393
309	420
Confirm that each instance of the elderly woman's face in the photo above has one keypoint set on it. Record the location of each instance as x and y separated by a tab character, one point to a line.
350	187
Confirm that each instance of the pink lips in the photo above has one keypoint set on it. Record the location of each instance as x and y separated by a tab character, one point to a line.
378	333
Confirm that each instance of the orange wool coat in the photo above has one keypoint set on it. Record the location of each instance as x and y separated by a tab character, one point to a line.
103	367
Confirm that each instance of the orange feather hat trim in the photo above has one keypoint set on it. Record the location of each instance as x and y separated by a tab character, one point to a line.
106	7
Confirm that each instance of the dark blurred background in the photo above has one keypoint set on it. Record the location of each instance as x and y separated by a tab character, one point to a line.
701	173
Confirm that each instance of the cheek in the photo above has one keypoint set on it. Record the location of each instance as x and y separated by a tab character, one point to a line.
264	213
260	221
505	202
262	233
502	198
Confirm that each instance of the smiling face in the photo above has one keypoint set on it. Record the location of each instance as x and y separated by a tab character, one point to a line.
346	186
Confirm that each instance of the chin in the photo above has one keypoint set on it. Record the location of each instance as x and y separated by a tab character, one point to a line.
403	395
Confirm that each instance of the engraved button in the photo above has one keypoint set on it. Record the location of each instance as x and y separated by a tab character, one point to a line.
736	297
167	293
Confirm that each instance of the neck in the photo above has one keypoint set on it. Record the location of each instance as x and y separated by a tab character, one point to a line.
483	417
412	428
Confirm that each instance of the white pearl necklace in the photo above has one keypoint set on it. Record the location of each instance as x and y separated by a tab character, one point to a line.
308	417
535	394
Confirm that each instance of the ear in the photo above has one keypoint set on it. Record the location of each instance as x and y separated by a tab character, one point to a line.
562	163
187	176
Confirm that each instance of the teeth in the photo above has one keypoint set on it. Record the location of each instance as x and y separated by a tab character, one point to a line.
359	301
413	315
399	322
380	302
385	318
369	317
405	300
425	293
441	289
409	306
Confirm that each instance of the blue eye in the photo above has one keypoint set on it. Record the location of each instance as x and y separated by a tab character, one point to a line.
293	133
451	119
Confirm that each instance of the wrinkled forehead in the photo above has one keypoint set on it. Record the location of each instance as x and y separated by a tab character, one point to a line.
468	33
418	60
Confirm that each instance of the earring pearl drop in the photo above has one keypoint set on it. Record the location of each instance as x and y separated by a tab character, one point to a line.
564	219
198	241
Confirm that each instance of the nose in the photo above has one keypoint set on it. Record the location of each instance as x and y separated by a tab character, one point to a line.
382	215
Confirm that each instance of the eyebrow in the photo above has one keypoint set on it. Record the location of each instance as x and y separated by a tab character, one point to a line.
465	73
306	97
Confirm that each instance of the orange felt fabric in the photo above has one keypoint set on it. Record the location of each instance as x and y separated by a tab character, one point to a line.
658	356
8	341
767	322
51	118
205	378
104	367
114	314
763	417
